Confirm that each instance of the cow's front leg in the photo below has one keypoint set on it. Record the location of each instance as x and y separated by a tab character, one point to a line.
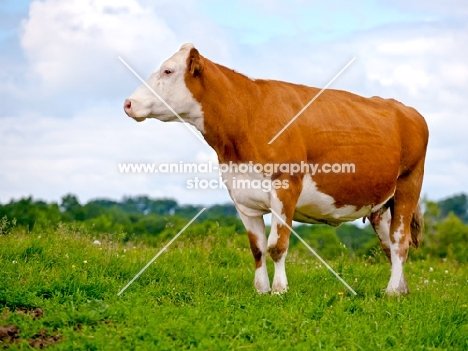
256	229
278	241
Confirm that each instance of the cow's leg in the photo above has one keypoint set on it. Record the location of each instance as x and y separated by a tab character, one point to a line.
399	245
278	241
406	201
258	244
381	221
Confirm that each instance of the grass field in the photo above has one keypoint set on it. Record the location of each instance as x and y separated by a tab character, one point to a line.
58	290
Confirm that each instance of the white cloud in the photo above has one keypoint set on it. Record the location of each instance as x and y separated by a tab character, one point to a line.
72	43
452	8
49	157
72	48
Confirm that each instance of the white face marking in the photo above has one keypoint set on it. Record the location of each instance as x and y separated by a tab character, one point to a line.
316	207
170	85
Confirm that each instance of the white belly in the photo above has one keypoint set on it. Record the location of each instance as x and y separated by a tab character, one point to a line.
316	207
253	197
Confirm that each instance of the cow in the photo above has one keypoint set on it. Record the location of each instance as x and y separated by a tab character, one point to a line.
238	116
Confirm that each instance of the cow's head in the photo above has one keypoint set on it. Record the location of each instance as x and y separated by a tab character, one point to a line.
169	83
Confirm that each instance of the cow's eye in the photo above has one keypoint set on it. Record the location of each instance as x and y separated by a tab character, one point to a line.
167	71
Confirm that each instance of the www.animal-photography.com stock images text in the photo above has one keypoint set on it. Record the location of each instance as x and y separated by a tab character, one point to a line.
207	175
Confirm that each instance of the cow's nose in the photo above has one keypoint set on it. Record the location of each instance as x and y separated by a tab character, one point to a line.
128	106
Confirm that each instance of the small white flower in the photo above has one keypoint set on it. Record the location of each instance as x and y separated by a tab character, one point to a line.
14	261
431	269
446	271
85	262
97	242
426	281
66	255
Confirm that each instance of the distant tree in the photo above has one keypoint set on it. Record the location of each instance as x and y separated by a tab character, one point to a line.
72	207
189	211
458	204
449	239
103	203
222	211
146	205
320	237
357	239
163	206
27	213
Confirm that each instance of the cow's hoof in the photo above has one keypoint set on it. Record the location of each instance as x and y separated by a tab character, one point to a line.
262	284
399	291
263	292
279	289
279	292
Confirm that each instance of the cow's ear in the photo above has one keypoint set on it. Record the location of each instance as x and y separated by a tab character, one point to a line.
195	62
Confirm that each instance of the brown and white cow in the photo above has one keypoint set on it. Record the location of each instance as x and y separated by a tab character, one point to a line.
238	116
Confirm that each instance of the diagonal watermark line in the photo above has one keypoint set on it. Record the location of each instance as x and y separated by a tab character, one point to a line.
160	252
313	251
161	99
311	101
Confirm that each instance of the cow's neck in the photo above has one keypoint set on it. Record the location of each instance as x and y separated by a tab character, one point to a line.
228	99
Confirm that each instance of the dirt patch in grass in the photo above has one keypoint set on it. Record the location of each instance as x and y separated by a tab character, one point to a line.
9	334
43	339
35	313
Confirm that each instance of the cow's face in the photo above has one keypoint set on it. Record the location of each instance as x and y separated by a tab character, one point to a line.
169	83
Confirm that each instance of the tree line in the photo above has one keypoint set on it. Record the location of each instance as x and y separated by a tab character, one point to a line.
154	220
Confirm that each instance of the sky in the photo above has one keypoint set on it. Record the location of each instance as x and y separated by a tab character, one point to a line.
62	86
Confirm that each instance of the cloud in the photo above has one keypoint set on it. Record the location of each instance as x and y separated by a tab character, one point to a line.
49	157
69	49
64	130
71	44
450	8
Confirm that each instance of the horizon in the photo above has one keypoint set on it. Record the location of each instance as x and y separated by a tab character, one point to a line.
63	128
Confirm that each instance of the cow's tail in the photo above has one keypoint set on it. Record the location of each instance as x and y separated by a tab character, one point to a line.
417	227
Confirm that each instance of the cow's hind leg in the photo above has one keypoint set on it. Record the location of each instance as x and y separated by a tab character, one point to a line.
405	205
256	230
381	221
